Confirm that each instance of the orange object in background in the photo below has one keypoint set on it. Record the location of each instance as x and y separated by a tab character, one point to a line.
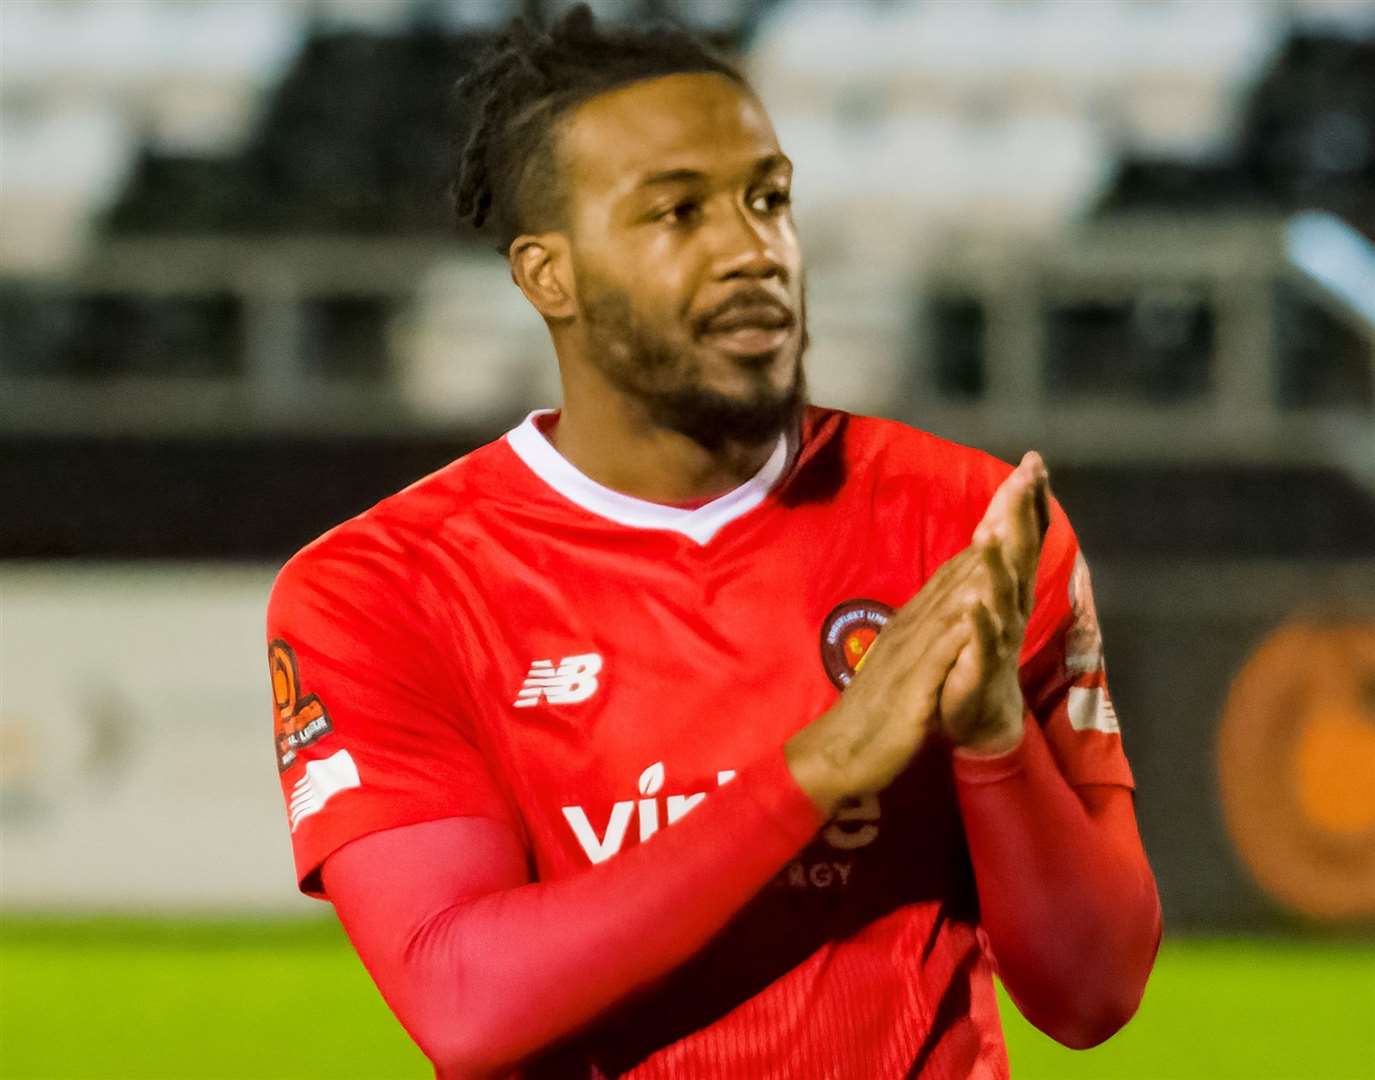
1296	765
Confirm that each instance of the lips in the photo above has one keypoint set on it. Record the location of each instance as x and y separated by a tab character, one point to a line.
766	316
752	319
751	325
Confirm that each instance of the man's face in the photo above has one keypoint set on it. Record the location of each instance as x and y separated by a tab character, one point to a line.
687	269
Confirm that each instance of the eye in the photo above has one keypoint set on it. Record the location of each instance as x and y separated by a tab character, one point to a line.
771	201
683	212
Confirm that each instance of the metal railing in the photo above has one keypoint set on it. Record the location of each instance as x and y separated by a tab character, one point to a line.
1236	270
1231	269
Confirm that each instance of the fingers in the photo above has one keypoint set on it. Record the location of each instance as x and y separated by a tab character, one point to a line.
1017	487
1003	595
1033	508
935	595
981	638
976	574
1000	506
999	568
985	632
940	604
1041	506
940	657
923	680
1018	516
955	569
1036	523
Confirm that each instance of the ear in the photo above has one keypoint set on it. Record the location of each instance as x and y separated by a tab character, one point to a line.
542	267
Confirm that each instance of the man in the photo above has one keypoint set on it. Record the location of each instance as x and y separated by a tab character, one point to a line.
688	730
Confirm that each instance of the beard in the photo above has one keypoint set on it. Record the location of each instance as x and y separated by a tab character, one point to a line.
666	377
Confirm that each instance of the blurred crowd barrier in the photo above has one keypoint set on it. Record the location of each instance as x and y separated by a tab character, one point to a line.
138	771
136	766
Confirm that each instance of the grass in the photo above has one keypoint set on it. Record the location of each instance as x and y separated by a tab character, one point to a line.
1240	1009
107	999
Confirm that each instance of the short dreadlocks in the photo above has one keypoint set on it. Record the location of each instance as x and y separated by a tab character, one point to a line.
506	170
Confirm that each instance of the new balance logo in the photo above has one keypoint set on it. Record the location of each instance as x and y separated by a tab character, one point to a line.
321	782
1090	709
574	680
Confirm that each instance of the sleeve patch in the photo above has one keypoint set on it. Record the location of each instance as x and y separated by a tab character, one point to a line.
1084	638
300	721
1090	709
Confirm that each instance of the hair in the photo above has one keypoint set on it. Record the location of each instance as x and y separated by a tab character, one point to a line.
506	170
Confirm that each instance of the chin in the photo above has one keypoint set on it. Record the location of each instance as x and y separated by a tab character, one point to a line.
743	375
752	412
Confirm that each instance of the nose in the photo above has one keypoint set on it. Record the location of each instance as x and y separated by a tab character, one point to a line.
750	247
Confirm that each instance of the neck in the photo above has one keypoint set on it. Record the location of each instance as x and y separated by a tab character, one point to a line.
610	437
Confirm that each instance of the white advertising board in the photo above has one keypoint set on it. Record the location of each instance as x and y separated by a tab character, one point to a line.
136	758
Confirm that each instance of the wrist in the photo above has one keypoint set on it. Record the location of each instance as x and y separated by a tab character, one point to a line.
1001	735
814	773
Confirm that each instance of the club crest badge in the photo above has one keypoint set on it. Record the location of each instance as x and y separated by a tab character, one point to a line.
846	634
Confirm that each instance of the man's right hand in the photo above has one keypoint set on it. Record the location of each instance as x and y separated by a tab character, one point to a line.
862	742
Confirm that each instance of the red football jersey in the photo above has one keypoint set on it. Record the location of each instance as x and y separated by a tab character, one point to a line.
508	638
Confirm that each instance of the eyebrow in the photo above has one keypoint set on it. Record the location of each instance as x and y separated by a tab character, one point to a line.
762	167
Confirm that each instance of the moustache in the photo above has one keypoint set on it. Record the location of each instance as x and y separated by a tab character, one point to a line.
749	307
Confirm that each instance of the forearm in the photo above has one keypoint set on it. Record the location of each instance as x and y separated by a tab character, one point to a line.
1066	896
489	980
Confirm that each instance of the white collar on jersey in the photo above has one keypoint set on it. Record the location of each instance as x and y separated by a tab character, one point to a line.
700	524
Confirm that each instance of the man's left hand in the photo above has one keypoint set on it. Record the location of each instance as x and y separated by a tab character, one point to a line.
981	704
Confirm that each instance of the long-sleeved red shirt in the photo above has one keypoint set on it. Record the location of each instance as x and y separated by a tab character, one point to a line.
484	969
529	733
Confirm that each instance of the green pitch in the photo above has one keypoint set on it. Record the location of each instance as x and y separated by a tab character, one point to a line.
265	1001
